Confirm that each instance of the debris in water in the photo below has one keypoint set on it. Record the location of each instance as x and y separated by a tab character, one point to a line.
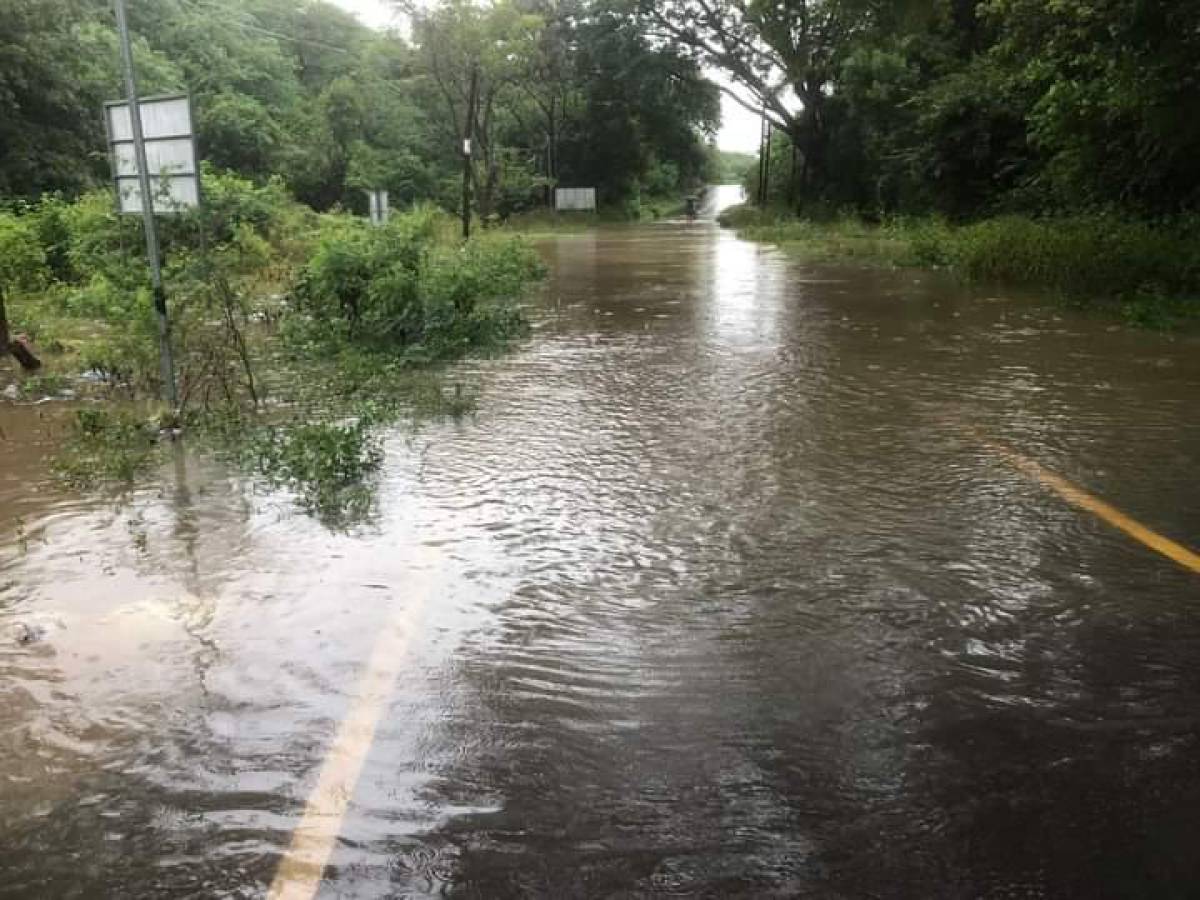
24	633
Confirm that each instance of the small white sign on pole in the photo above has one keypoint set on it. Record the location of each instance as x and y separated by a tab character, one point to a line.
378	202
170	154
575	199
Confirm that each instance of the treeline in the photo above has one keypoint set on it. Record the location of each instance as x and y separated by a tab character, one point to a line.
570	93
963	107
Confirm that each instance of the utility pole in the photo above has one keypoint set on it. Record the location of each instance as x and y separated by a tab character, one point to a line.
759	195
468	133
139	149
766	157
792	174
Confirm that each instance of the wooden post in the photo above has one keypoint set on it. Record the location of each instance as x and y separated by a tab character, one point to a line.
767	166
19	349
762	159
792	173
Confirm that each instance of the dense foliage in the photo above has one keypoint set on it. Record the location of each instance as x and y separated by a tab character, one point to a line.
569	93
252	259
401	290
296	334
964	107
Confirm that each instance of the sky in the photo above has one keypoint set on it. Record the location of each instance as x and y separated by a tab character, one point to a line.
739	130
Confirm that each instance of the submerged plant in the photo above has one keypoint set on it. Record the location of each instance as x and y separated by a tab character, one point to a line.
107	446
328	465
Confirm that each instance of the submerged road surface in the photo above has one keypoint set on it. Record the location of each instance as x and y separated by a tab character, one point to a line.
750	578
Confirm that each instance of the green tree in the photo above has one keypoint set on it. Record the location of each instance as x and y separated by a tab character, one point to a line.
1113	87
468	52
58	65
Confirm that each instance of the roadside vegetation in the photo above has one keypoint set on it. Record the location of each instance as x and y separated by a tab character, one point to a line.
1012	140
299	331
296	335
568	94
1149	274
1030	142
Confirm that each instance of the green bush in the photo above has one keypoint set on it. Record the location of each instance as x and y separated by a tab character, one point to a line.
22	258
224	266
233	205
361	281
1082	257
745	215
328	465
102	244
410	288
465	293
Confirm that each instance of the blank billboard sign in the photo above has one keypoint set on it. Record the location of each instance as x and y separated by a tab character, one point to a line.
575	199
170	154
377	203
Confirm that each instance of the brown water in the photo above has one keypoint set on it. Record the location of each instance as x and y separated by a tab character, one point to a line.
733	599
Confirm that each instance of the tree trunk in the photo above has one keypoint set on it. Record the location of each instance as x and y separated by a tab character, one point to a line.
814	139
793	172
551	155
17	348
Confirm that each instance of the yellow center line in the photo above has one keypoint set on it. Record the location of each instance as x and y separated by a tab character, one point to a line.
1080	498
300	872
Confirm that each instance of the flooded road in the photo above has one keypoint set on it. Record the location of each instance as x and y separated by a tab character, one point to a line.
735	586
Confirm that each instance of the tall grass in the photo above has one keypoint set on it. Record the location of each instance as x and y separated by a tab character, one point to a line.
1150	272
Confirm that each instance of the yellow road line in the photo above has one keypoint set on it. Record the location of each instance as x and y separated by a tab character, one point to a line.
300	872
1076	496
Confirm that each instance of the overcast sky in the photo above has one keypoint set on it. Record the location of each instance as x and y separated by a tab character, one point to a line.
739	131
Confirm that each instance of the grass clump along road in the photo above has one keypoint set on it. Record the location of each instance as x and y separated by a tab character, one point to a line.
1149	274
297	336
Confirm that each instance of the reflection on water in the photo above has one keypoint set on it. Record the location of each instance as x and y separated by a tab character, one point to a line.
733	604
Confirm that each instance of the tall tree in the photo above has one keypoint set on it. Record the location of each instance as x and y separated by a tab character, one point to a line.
472	52
773	52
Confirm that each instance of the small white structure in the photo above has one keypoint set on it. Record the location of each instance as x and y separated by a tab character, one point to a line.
378	202
575	199
170	154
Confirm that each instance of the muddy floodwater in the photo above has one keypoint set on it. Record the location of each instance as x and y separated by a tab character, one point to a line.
732	587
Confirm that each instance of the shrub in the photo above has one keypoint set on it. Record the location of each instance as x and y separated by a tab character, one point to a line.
22	259
328	465
409	289
746	216
462	294
1087	257
102	244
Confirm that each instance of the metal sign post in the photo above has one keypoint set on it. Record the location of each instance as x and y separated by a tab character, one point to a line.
143	173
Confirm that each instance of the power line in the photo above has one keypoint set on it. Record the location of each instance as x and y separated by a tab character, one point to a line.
295	40
324	45
200	7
